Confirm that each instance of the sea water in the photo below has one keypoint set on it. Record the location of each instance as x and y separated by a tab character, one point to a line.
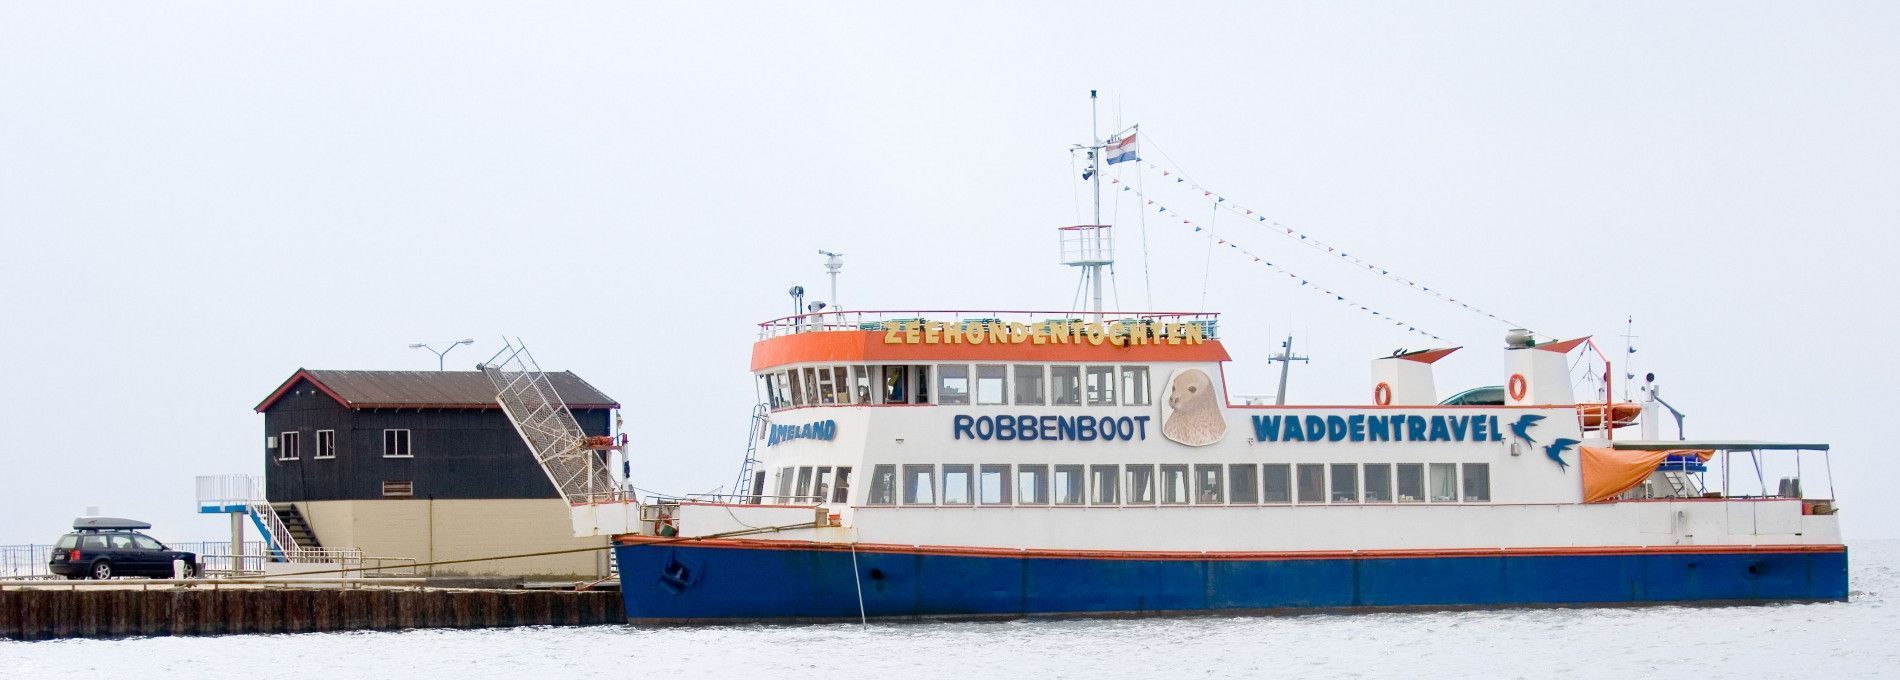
1858	638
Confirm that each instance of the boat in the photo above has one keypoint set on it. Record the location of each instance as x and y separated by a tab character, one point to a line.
924	464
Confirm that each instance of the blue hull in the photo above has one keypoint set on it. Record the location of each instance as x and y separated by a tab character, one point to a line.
680	582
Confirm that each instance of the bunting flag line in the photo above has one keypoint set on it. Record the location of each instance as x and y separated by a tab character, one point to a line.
1310	241
1304	282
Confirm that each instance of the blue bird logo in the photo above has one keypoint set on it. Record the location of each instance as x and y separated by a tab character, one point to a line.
1522	428
1557	448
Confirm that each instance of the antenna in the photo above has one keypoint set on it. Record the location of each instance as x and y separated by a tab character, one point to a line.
833	263
1091	246
1286	359
1629	355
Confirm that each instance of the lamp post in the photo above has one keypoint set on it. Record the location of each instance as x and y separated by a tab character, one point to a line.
441	354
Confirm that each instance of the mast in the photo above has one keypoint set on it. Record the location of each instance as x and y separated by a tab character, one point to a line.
1095	174
1286	359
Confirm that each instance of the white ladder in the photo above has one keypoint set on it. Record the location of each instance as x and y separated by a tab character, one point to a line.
549	429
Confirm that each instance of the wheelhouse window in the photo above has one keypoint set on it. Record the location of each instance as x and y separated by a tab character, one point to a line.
396	444
1411	482
1032	484
883	485
1444	482
289	446
956	485
804	484
758	488
326	444
1135	385
1243	483
1477	482
1100	384
920	485
992	485
813	391
827	386
1141	485
990	384
861	384
821	485
798	387
1174	484
841	486
1065	385
896	385
1345	483
953	384
1378	482
1276	485
1068	485
1207	484
1312	478
1030	384
1103	483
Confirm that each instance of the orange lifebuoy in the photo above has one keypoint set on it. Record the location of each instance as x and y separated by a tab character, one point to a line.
1382	394
1518	387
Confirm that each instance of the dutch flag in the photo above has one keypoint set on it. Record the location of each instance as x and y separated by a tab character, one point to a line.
1122	149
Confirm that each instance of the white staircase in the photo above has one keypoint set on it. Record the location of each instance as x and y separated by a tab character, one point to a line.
568	456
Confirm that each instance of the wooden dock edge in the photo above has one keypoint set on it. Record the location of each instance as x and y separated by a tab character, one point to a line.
100	613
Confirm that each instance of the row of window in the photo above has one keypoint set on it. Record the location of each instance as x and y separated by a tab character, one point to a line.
1178	484
811	484
959	384
290	445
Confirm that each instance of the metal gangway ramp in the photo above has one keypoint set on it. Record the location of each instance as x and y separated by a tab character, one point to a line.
541	417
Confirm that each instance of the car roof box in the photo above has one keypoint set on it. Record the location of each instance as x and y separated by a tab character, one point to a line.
109	524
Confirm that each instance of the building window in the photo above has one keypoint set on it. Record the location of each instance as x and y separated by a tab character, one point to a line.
992	485
1135	385
956	484
289	446
953	384
1032	484
1411	482
396	444
1378	482
920	485
1103	482
883	485
1141	485
803	492
1477	482
1174	484
821	485
1312	479
1207	486
1029	385
326	444
1345	483
1065	385
1444	482
403	489
1068	485
1243	483
1275	483
989	384
1101	385
841	488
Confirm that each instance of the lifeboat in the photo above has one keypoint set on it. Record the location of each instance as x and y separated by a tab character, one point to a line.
1621	415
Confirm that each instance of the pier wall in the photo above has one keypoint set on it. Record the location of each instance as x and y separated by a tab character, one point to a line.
44	614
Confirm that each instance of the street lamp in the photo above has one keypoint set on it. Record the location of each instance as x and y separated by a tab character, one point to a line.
441	353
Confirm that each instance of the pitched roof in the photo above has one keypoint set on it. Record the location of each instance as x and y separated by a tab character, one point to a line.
428	389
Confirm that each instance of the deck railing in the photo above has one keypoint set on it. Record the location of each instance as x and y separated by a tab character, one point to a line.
877	320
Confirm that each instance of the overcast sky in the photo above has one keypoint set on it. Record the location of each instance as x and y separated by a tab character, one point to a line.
198	199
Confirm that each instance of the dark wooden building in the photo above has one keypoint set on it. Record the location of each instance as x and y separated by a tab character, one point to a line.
416	464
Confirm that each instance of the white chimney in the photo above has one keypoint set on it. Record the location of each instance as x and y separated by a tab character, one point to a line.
1406	379
1540	374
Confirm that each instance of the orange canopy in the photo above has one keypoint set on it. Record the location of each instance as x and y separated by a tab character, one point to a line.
1608	472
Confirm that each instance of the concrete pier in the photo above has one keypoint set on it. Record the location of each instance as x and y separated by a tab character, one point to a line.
44	614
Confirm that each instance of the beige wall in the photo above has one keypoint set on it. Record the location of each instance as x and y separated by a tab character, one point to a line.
430	531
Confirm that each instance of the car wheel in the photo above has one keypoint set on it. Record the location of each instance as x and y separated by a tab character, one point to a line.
188	571
102	570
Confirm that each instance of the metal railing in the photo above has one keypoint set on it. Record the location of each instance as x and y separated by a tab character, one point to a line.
30	560
877	320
